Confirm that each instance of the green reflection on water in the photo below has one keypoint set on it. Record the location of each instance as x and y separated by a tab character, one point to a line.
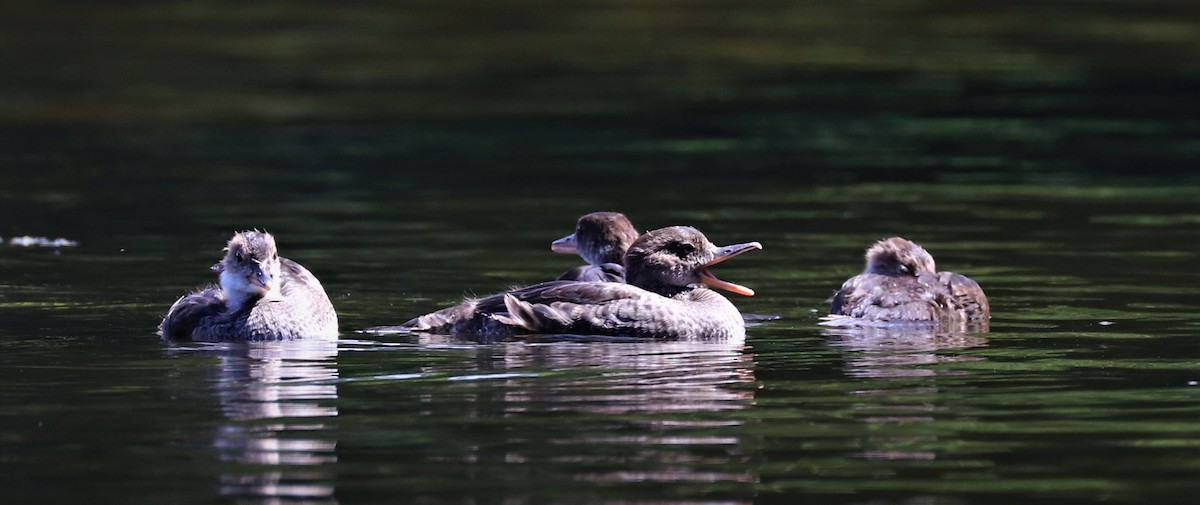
410	155
183	61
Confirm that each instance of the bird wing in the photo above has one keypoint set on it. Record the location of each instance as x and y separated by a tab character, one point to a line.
580	307
882	298
966	295
549	307
304	308
185	314
607	272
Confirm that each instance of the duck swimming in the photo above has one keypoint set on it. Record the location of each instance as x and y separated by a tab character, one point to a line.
260	296
901	284
666	298
601	238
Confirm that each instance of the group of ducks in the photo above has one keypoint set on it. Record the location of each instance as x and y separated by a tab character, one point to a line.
653	285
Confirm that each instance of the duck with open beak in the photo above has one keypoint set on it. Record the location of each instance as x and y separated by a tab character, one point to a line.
720	255
667	297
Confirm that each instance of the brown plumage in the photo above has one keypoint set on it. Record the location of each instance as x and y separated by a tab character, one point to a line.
261	296
901	284
665	298
601	238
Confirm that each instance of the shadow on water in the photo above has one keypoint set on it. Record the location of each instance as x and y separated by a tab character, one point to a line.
416	153
899	353
280	402
1086	364
552	421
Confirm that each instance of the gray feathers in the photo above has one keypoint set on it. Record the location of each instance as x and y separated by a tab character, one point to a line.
900	285
665	301
294	306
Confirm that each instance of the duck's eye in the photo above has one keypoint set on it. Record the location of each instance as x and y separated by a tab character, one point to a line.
904	269
239	257
680	249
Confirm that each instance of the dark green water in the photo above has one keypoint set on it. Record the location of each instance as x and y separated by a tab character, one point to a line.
410	155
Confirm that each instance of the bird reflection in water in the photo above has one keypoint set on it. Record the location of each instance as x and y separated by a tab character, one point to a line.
664	411
883	351
279	398
902	365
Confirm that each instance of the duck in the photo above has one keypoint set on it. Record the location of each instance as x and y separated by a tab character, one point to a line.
901	284
667	296
601	238
260	296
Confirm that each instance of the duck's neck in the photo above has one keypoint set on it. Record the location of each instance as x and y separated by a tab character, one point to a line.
237	298
611	254
699	294
596	254
670	291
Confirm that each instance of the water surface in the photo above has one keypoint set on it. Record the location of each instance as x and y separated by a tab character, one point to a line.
412	156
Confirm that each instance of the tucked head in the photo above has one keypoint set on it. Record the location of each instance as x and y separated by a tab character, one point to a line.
600	237
250	267
898	257
670	259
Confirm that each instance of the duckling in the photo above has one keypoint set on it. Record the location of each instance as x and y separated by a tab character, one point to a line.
667	297
901	284
601	238
260	296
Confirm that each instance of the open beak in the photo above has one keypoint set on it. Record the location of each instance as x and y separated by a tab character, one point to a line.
722	254
565	245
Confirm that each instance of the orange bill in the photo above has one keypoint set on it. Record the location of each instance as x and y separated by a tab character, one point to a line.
722	254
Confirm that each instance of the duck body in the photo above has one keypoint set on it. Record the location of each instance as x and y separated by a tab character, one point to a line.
601	239
590	308
189	310
666	298
901	285
260	297
605	272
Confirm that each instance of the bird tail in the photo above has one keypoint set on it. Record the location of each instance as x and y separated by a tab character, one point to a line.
441	321
532	317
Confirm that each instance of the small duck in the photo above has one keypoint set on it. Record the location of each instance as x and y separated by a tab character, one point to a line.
601	238
260	296
901	284
666	298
